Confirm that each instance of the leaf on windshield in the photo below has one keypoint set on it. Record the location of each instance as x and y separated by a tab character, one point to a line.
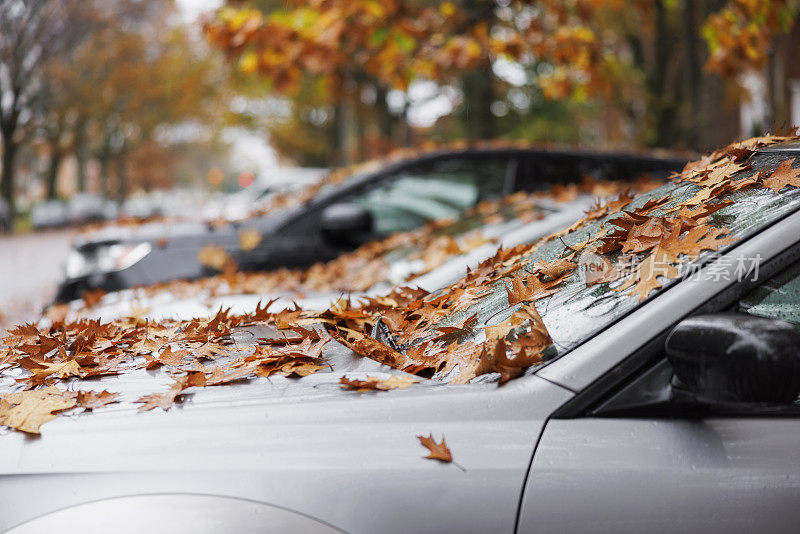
783	176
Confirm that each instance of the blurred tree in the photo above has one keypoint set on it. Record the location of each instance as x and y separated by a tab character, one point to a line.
643	58
32	34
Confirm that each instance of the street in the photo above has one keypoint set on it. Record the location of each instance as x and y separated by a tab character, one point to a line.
31	266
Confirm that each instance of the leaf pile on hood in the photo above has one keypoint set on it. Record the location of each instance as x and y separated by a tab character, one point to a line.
197	353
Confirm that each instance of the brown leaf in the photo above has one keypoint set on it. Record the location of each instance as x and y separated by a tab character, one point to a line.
783	176
372	383
91	297
29	410
438	451
216	258
249	239
93	399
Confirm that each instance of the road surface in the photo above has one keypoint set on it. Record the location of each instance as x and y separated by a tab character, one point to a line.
31	265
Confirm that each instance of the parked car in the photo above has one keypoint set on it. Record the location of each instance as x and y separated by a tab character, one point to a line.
428	258
49	214
339	214
671	406
87	208
5	216
239	205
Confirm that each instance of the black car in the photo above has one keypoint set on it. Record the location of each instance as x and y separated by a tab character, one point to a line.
339	216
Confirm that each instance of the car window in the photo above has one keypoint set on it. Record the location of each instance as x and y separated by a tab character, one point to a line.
441	190
777	298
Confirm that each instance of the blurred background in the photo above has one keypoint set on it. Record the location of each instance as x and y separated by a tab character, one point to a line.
129	109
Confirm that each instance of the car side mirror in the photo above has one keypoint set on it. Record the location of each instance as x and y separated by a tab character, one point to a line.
346	222
734	358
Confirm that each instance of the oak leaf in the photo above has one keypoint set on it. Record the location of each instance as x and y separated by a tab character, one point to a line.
29	410
783	176
94	399
371	383
438	451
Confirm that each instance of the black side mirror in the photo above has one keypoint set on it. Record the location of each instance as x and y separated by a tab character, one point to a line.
734	358
346	222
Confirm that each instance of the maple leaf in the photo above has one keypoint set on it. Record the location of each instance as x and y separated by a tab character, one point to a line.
783	176
438	451
249	239
29	410
371	383
93	399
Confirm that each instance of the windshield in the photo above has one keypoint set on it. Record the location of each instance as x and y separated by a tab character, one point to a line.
530	304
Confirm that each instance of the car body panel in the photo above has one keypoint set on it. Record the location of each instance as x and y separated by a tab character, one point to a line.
169	513
722	475
334	455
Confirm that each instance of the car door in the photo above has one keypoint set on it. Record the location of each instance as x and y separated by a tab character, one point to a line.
631	463
401	200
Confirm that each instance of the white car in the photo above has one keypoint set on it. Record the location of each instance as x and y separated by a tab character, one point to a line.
666	406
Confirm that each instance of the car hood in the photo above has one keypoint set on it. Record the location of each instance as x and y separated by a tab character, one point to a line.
304	445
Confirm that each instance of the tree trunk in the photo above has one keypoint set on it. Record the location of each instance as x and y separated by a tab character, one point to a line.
693	73
7	177
80	157
383	115
478	90
105	167
52	175
661	115
122	177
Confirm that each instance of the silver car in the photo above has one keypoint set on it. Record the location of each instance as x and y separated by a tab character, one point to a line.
673	414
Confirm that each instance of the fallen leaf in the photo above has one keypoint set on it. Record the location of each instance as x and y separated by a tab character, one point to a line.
93	399
216	258
783	176
29	410
249	239
438	451
372	383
